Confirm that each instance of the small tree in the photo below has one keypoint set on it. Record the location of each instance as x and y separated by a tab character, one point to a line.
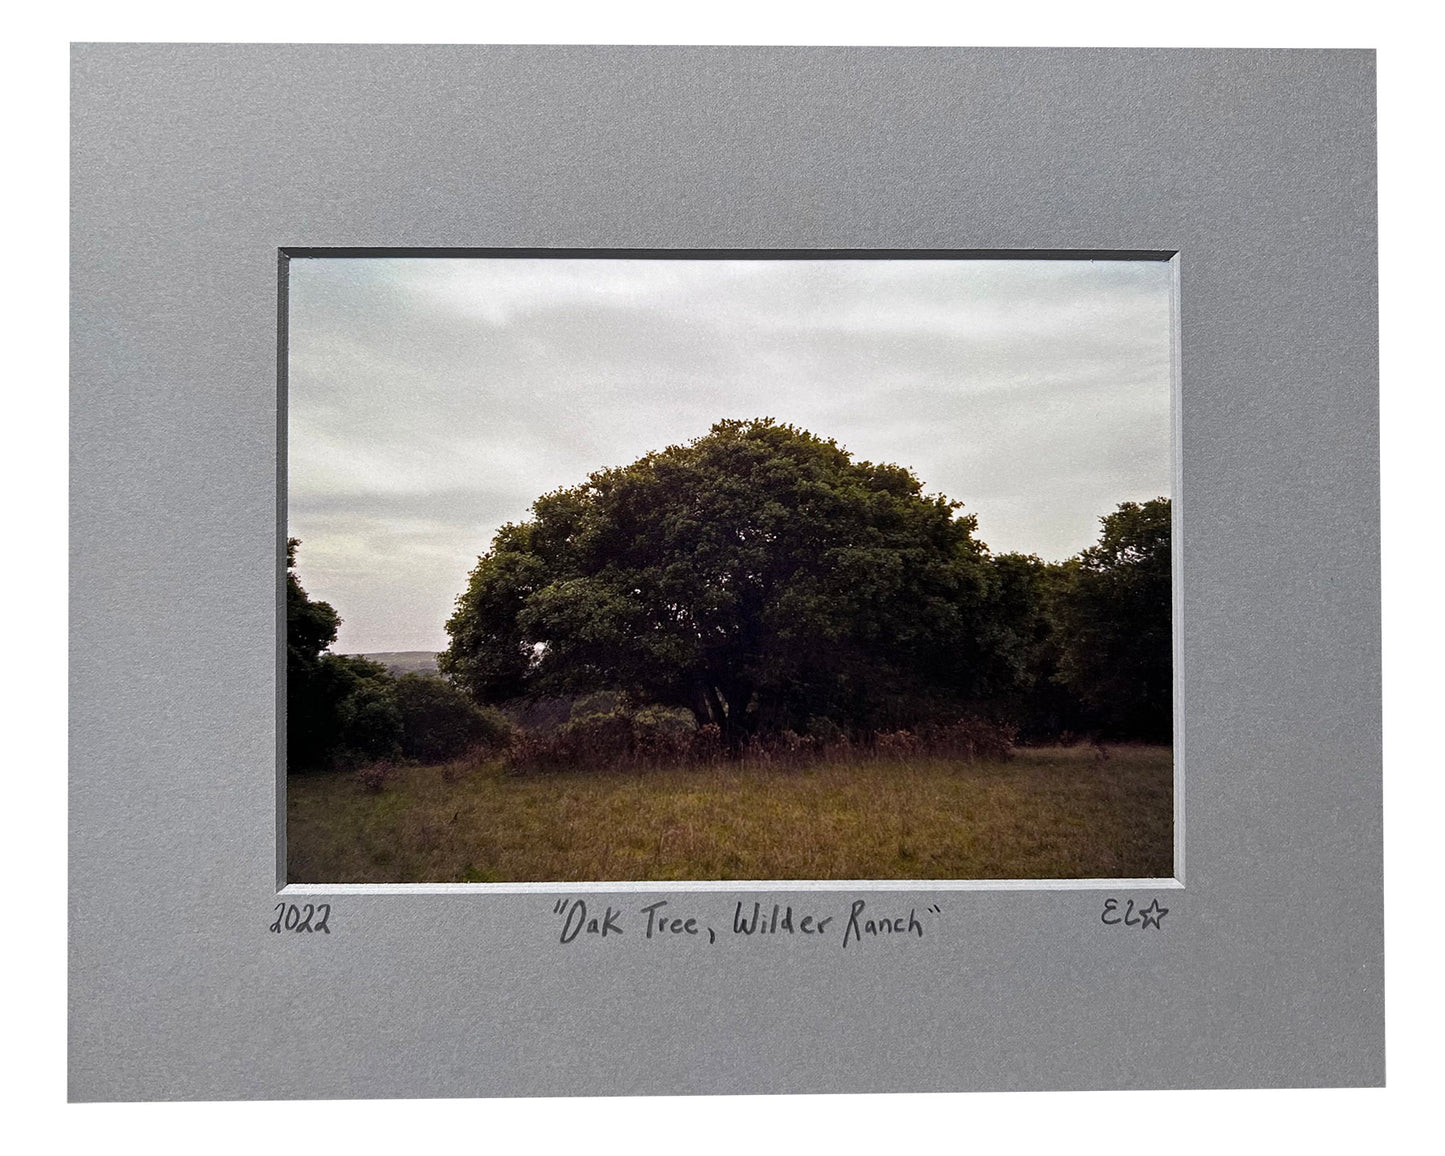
1114	617
335	703
310	703
368	721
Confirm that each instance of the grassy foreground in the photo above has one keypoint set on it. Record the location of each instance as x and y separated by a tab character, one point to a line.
1049	813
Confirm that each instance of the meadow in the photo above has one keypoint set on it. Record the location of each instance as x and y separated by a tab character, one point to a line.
1046	813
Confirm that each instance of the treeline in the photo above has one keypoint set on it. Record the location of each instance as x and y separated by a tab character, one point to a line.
781	596
345	709
763	580
1091	638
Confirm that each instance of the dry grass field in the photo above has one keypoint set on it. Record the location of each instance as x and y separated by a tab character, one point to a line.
1047	813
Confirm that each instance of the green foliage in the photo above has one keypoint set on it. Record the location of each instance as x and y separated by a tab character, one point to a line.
310	626
1113	616
343	708
368	719
756	590
440	722
1024	689
655	737
310	689
614	739
337	705
348	714
757	576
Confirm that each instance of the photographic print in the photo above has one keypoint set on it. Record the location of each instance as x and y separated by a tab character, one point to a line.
728	568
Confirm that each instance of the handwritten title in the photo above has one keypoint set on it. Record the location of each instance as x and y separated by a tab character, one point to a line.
749	921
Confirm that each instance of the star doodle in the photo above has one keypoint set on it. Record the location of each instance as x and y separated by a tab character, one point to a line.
1152	915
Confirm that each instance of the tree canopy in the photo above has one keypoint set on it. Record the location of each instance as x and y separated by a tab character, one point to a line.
1113	615
764	580
757	575
347	707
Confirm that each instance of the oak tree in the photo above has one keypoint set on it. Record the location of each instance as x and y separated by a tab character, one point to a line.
757	575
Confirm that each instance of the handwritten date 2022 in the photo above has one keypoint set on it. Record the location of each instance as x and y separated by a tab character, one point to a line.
302	917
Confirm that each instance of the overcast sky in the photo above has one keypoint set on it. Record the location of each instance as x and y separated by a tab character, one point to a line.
432	399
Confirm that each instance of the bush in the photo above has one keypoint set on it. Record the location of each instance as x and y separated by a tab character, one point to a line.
645	738
342	713
439	722
591	743
370	721
824	729
896	743
969	739
619	738
705	745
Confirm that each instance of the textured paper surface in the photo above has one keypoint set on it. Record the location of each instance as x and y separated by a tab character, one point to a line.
194	164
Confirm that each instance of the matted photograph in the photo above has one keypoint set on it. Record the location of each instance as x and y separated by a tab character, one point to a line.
629	570
655	567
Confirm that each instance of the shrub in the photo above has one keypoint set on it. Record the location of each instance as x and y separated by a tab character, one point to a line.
640	739
705	745
593	742
439	722
339	711
370	723
824	729
966	739
619	738
969	739
596	703
896	743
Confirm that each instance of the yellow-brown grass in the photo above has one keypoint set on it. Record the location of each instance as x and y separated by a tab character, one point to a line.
1049	813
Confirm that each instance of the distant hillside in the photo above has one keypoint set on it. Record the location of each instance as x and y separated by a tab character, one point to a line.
406	661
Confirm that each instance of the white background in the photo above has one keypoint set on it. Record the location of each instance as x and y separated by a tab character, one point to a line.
33	798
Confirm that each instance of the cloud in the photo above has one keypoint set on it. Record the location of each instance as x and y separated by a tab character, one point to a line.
432	399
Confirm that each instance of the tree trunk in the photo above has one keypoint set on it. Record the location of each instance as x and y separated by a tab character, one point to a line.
698	703
715	703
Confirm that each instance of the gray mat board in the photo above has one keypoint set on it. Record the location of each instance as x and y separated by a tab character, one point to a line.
193	164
